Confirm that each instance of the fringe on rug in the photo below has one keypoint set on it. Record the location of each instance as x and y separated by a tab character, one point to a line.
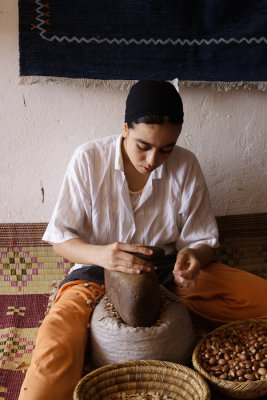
126	84
77	82
226	86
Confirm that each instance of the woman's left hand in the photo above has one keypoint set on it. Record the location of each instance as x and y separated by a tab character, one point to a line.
186	268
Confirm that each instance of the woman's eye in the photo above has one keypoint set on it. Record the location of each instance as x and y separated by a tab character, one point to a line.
163	151
142	148
166	151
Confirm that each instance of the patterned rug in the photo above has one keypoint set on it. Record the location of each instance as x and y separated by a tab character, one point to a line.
243	242
211	41
30	270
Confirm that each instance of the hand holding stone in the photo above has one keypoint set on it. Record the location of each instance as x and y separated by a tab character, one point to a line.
136	297
125	257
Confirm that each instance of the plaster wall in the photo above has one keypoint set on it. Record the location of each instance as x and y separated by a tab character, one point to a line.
41	125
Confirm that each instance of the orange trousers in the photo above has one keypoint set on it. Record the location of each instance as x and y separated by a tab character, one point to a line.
222	294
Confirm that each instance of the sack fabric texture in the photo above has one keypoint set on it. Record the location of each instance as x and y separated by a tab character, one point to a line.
172	338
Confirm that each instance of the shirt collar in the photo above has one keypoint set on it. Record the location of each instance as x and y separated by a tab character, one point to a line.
158	173
118	155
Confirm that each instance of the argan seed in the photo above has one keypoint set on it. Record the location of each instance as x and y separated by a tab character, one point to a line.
232	373
236	354
249	377
263	363
262	371
212	361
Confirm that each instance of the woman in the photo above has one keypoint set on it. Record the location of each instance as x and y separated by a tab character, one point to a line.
119	195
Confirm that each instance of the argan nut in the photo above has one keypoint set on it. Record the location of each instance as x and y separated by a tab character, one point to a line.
212	361
232	373
257	375
256	365
225	368
237	355
258	357
249	371
249	377
262	371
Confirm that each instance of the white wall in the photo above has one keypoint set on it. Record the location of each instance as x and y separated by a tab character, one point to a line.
41	125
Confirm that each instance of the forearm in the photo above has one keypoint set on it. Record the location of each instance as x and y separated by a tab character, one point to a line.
78	251
203	253
189	261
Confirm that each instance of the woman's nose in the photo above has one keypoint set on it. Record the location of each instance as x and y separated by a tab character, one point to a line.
151	158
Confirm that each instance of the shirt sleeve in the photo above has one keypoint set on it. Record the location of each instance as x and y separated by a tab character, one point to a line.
196	221
71	218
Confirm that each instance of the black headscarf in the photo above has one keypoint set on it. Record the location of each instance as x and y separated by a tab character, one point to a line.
148	97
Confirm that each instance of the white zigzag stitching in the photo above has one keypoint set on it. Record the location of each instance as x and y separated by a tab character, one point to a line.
182	42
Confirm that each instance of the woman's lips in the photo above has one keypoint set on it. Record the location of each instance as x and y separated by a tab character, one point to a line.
147	170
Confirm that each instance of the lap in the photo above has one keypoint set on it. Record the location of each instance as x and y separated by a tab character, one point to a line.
224	294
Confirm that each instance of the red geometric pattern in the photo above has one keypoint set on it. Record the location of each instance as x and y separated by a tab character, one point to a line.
20	317
10	383
25	270
22	311
14	346
28	268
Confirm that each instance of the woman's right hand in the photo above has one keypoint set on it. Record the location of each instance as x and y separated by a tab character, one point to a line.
117	257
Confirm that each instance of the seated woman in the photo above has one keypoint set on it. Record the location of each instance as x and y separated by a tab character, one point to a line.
119	195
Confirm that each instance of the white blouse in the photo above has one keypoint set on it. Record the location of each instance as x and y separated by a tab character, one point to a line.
135	197
94	204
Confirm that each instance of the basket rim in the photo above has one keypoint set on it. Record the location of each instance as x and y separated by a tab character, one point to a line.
235	386
167	365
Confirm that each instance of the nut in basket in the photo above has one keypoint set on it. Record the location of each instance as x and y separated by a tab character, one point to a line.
233	358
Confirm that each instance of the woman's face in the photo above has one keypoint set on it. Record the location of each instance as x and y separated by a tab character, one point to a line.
147	146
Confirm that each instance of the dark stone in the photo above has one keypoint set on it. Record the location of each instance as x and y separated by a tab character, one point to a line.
135	297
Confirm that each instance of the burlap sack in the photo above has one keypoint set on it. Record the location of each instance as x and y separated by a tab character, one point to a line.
172	338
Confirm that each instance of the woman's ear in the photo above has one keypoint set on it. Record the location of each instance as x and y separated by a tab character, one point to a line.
125	130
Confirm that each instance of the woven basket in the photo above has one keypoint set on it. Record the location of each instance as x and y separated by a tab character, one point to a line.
154	378
237	390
